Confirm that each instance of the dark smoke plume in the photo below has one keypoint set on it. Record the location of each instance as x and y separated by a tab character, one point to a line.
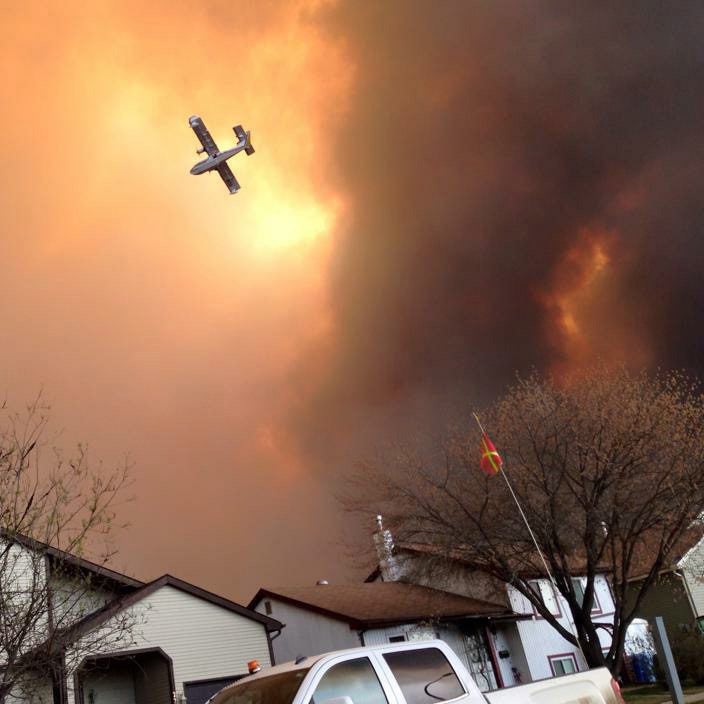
525	191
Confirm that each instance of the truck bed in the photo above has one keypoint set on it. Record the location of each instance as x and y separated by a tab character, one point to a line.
591	687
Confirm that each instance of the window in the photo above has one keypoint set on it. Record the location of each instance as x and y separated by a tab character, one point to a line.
275	689
563	664
578	590
546	594
424	675
578	586
397	639
355	679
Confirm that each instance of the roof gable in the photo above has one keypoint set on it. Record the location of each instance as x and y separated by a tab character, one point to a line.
695	553
576	564
109	610
74	562
377	603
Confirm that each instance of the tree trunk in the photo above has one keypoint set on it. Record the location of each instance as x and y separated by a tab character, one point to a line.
5	690
617	663
591	648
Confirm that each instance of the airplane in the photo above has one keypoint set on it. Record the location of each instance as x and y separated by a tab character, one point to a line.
217	160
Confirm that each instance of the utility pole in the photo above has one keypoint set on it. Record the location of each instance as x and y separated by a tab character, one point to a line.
667	662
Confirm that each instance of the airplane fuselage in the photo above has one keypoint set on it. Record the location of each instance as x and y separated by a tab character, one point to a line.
212	162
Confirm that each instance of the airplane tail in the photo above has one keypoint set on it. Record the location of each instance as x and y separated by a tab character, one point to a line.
248	148
247	136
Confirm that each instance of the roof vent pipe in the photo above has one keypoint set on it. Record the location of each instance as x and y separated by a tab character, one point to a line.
384	544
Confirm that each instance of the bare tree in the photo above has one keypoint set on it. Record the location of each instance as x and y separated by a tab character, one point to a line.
608	466
54	510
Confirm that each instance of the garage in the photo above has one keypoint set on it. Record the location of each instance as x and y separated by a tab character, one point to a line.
199	692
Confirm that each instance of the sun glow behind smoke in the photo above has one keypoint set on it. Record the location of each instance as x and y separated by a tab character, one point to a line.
295	84
289	86
228	290
286	224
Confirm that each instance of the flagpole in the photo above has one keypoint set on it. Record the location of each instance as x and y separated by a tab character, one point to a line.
532	535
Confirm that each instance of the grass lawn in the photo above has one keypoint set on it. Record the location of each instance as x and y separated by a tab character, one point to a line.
653	693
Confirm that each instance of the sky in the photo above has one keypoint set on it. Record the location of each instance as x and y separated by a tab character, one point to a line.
438	200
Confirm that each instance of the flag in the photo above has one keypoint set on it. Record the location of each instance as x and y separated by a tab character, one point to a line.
491	461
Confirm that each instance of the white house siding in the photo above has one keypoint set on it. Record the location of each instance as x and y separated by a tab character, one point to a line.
23	582
306	632
410	631
540	640
37	693
692	568
534	641
606	602
74	598
204	641
695	588
501	642
508	638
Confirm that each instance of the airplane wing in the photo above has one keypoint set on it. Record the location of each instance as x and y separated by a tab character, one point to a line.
228	177
204	136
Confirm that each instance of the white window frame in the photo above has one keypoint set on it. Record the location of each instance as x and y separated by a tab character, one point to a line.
400	634
596	604
552	659
544	587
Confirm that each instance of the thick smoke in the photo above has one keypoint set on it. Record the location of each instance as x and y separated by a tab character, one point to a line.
443	193
524	191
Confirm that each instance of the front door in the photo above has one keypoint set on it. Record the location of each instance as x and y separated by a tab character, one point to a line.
479	660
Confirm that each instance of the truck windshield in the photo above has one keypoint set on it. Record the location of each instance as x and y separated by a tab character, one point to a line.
275	689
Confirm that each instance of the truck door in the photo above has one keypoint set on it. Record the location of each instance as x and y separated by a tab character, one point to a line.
355	679
425	676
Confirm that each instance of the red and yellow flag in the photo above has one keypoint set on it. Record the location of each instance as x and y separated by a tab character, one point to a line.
491	461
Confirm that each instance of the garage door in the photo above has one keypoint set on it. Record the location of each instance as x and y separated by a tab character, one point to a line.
199	692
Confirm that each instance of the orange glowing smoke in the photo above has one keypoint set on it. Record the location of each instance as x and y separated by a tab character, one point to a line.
578	271
162	315
99	140
582	321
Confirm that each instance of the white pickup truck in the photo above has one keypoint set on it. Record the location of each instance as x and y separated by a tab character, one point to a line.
427	672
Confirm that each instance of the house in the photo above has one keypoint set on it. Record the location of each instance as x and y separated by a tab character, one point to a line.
532	649
326	617
678	592
189	642
115	639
